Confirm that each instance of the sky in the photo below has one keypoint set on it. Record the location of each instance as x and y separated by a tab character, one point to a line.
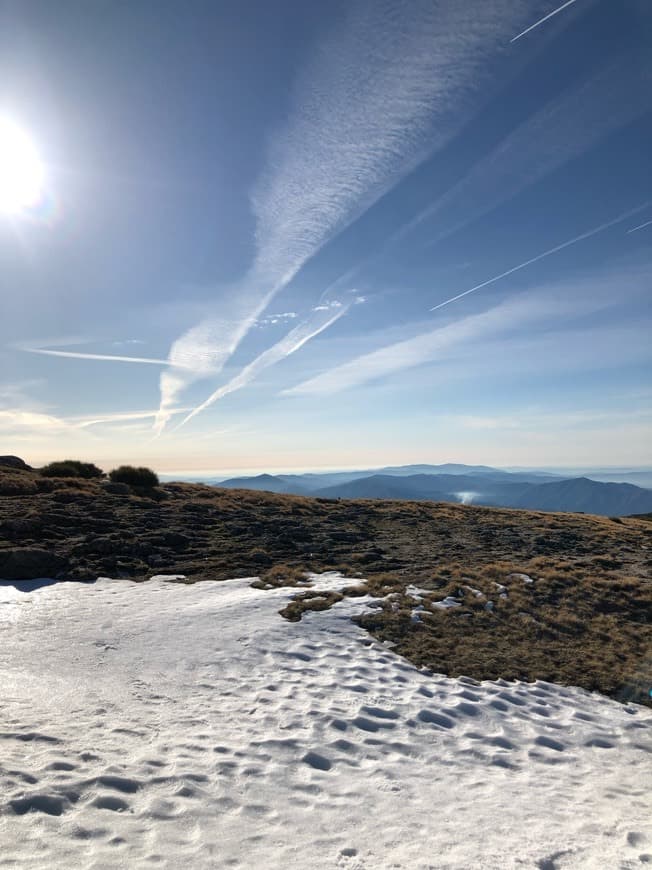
248	236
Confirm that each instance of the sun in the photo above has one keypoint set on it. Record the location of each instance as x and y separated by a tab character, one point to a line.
22	174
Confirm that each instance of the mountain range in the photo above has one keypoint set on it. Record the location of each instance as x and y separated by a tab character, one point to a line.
466	484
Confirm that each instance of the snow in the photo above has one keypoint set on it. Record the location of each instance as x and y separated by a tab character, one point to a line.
475	592
446	603
518	576
417	592
166	725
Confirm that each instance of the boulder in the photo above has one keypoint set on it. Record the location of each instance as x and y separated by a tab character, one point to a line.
29	563
15	462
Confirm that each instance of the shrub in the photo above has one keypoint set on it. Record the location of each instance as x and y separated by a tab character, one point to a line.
138	477
72	468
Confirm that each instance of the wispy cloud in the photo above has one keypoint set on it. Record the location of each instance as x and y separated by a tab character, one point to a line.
362	107
542	20
324	317
459	340
587	235
556	418
274	319
21	419
18	411
640	227
559	132
119	417
104	357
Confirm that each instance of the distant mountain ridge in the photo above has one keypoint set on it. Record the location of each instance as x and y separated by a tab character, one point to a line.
478	484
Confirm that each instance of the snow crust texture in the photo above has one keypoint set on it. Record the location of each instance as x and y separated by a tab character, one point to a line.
161	725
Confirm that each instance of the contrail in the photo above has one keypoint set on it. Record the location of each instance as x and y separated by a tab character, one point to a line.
292	342
104	356
541	20
639	227
374	98
554	250
120	417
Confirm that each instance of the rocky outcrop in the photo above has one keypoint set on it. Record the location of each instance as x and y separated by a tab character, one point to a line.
14	462
29	563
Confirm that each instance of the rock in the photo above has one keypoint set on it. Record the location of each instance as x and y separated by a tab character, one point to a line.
71	496
29	563
21	526
175	540
102	546
115	488
374	554
15	462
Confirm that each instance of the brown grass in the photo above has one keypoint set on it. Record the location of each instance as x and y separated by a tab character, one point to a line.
585	621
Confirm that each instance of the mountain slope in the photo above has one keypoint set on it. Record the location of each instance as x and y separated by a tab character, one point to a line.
423	486
263	483
590	496
580	494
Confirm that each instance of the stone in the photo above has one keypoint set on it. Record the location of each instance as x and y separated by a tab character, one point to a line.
29	563
15	462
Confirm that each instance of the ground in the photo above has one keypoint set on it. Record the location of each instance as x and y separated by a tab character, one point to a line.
165	725
586	620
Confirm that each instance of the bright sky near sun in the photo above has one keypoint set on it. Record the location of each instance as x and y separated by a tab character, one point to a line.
239	236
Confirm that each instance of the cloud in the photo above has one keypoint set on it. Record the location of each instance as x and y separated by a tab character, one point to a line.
387	87
288	345
640	227
17	395
19	418
273	319
104	357
556	134
460	339
560	419
119	417
587	235
559	132
328	306
541	20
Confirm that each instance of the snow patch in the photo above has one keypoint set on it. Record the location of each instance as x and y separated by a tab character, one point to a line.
446	603
518	576
161	723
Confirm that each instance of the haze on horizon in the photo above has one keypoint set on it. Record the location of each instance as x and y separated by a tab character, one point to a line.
298	236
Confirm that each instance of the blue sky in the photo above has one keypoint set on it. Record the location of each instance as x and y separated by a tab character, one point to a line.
299	235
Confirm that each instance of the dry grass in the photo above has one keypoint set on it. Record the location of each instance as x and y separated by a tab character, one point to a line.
309	601
572	625
586	620
281	575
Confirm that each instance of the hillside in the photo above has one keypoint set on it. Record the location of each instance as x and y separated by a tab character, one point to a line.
580	494
462	484
586	620
263	483
610	499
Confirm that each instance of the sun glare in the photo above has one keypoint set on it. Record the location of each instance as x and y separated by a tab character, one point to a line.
21	171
